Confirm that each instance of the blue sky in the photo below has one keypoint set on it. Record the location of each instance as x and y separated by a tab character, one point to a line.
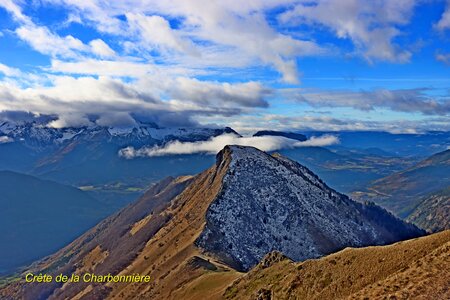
288	65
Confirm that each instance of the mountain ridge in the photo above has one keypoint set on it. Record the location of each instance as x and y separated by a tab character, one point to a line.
166	242
412	269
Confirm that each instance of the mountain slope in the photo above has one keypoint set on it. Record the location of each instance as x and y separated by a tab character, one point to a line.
433	212
413	269
213	226
271	202
38	217
403	191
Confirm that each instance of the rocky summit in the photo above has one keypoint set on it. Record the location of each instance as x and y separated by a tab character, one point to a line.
272	203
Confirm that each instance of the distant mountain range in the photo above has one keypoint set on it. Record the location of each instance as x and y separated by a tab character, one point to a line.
211	227
89	155
38	217
404	191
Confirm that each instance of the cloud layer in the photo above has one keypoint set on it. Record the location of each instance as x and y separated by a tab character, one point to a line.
215	144
185	62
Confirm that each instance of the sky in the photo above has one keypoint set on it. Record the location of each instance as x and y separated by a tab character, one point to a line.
325	65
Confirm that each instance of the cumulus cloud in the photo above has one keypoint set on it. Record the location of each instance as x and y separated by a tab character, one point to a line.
111	100
215	144
100	48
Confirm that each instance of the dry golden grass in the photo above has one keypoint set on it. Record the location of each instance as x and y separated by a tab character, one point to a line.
140	224
83	293
413	269
166	256
93	258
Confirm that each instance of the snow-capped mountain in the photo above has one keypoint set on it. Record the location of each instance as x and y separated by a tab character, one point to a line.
39	136
89	155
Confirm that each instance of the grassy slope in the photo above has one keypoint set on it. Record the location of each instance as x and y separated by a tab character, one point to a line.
413	269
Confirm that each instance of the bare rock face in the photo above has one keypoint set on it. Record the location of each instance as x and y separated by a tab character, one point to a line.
271	259
271	203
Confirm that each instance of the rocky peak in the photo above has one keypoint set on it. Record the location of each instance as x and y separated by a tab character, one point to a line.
269	203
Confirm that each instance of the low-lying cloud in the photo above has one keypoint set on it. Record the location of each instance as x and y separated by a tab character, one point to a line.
5	139
215	144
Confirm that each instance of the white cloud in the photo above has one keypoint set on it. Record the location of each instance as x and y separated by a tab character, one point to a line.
14	9
96	13
249	94
8	71
70	120
217	29
211	33
164	50
177	88
155	32
5	139
250	124
370	25
444	22
100	48
46	42
215	144
102	68
74	99
321	141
